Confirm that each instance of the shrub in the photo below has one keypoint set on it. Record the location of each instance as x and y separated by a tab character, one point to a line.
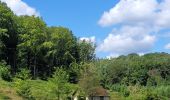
40	90
151	96
121	88
137	93
162	91
24	89
58	84
5	71
23	74
148	93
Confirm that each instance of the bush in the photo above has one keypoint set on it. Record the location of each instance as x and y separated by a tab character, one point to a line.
24	89
137	93
151	96
148	93
116	87
23	74
40	90
121	88
5	71
59	85
162	91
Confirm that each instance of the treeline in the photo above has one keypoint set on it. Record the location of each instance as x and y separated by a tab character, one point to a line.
150	69
27	42
137	77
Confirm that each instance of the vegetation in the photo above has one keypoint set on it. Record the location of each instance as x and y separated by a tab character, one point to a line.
39	62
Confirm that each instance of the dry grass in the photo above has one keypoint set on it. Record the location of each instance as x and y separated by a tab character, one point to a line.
8	92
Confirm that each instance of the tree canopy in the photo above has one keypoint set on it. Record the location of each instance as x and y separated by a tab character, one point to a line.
27	42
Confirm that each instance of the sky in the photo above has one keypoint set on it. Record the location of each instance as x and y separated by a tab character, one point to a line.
117	27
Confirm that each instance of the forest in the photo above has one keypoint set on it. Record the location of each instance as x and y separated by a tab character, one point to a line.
38	62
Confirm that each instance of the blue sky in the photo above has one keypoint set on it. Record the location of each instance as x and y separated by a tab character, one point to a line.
118	27
81	16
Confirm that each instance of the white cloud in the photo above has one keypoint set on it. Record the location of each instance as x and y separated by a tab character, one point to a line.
139	23
117	55
89	39
127	40
20	8
128	11
112	56
163	17
167	46
138	12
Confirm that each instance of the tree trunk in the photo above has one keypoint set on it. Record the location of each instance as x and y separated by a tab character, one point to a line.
28	60
14	60
35	66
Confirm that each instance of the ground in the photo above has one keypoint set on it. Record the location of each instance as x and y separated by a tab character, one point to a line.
7	92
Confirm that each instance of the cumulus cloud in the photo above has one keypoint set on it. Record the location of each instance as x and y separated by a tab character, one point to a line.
139	23
130	11
138	12
167	46
20	8
127	40
88	39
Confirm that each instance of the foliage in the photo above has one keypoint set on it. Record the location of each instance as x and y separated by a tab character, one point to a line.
24	74
132	69
2	34
24	89
8	34
146	93
121	89
5	71
87	50
27	41
89	79
59	85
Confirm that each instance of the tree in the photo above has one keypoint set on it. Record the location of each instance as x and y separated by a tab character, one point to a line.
63	50
2	34
60	47
59	84
5	71
8	31
89	79
86	51
32	35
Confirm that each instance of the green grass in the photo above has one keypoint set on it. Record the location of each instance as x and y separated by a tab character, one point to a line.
40	91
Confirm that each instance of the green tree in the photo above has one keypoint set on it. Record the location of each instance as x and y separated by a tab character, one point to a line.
32	35
89	79
5	73
2	34
86	51
62	46
8	35
59	84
